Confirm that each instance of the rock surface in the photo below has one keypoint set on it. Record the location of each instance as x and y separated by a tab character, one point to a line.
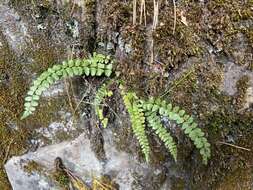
204	65
77	156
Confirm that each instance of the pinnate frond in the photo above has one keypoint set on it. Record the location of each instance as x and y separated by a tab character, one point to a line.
154	122
137	120
184	120
95	66
102	93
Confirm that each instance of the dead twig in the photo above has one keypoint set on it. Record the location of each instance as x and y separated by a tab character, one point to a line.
134	11
175	16
155	22
155	16
96	185
8	151
69	97
67	83
84	95
235	146
168	90
143	12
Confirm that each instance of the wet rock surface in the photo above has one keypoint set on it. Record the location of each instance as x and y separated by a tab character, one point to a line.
204	65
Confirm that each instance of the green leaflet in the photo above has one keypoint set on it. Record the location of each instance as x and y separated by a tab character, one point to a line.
93	66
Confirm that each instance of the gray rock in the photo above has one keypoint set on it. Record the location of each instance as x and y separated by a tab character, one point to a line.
232	73
14	29
78	156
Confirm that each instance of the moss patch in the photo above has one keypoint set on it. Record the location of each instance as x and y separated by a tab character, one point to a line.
62	179
33	166
14	133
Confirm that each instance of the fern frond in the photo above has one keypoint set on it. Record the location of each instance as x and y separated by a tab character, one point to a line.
137	120
155	123
185	121
100	96
94	66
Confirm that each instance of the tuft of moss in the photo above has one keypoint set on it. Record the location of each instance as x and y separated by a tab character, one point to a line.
242	85
33	166
62	179
174	47
15	134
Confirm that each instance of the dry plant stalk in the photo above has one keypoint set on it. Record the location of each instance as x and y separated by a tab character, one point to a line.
143	12
155	23
99	185
134	11
156	13
175	16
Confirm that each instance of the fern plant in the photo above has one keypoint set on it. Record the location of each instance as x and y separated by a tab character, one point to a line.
96	65
141	111
182	119
137	120
102	93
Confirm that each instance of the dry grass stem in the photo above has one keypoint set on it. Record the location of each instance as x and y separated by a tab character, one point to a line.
235	146
175	16
134	11
143	12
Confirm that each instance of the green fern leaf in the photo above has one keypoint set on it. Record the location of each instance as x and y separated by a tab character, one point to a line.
78	63
93	66
70	72
108	72
137	120
93	71
87	71
185	121
155	123
109	67
99	72
98	102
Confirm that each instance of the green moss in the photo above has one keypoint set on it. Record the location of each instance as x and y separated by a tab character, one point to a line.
178	184
4	183
226	21
62	179
222	23
174	48
14	133
237	10
233	128
183	87
33	166
45	55
242	85
114	14
12	88
117	13
238	178
89	36
132	68
218	114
